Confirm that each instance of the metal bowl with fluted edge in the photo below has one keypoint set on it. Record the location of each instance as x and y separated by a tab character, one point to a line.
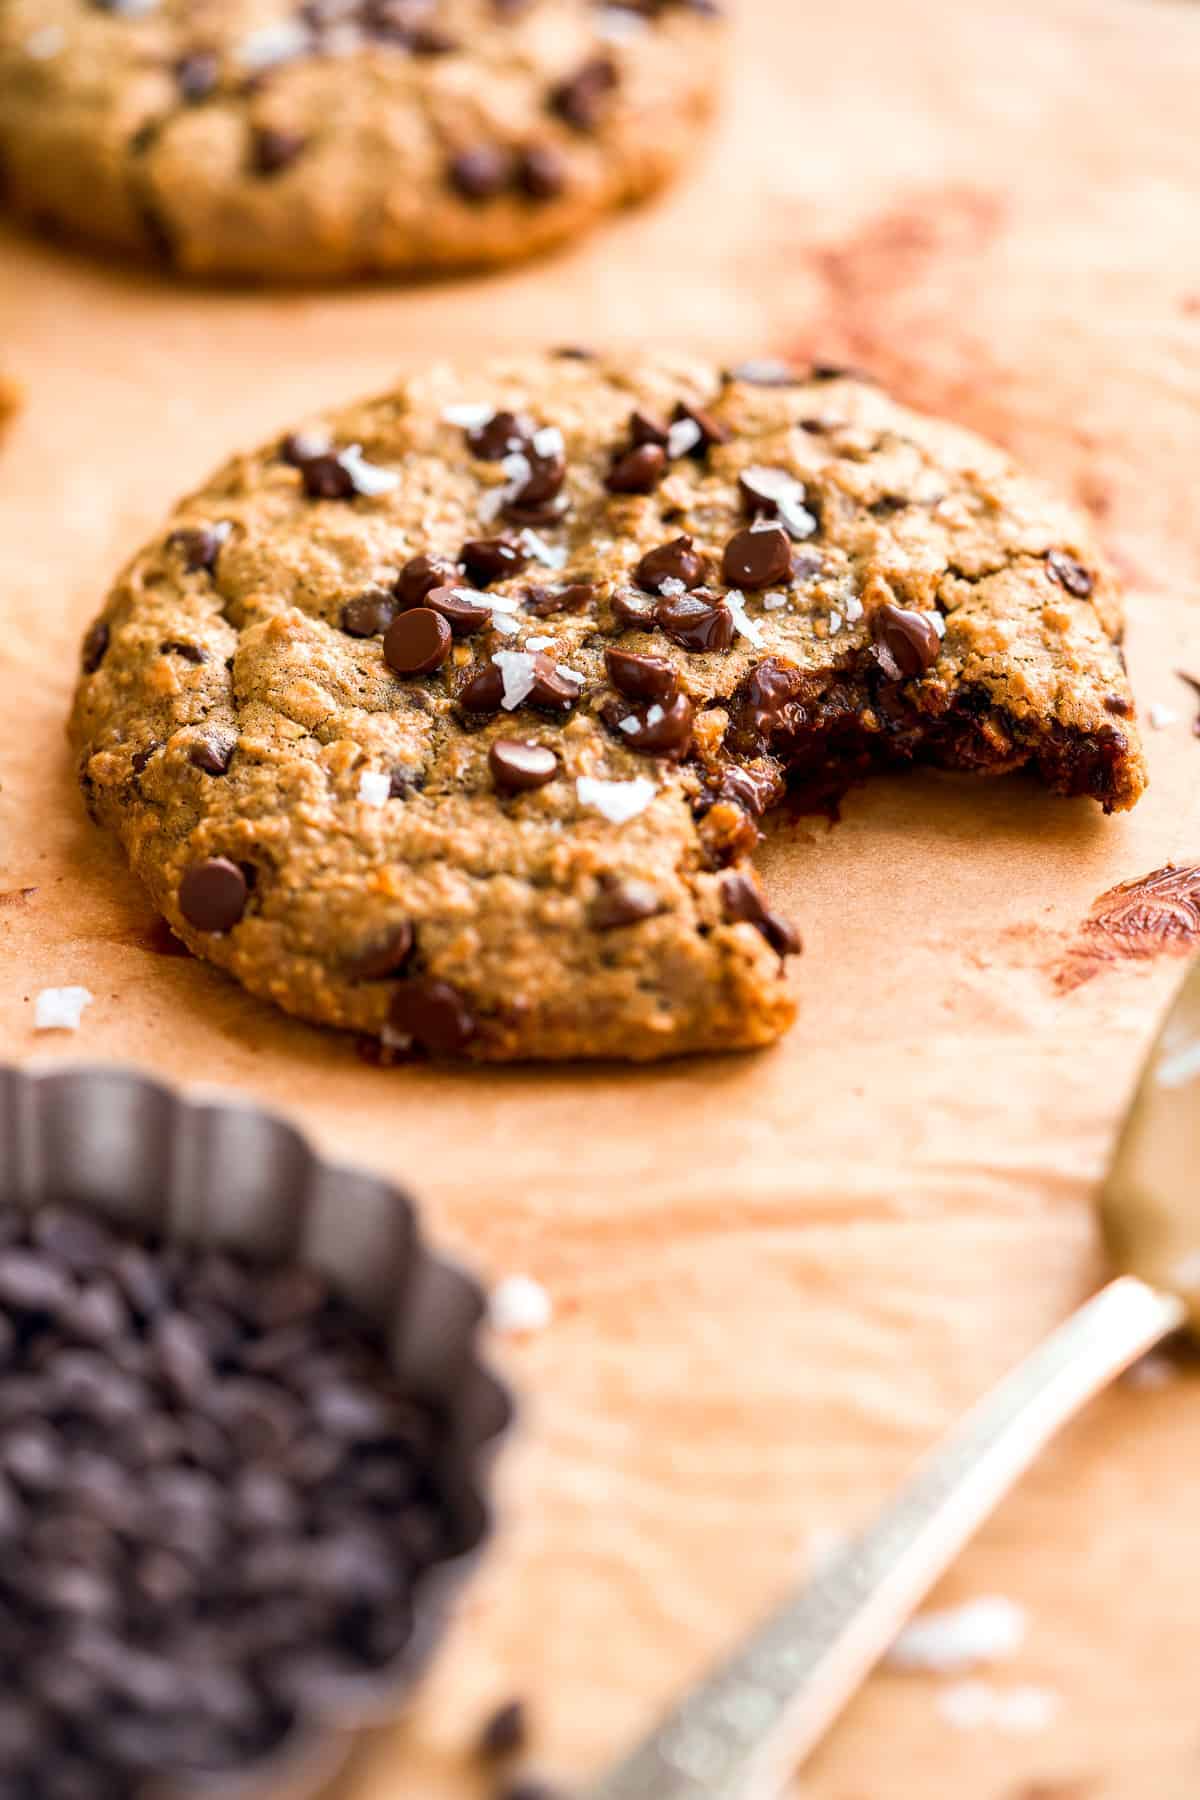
213	1172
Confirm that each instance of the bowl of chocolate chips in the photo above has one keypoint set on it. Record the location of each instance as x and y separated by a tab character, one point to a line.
244	1446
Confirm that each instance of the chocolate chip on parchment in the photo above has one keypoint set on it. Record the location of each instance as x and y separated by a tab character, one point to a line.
434	1015
744	904
491	559
95	643
677	561
1070	574
648	678
758	559
505	1733
622	901
655	730
197	75
498	436
582	98
201	545
213	894
907	642
417	642
212	753
518	767
383	956
695	621
368	614
481	172
463	615
638	471
542	171
273	150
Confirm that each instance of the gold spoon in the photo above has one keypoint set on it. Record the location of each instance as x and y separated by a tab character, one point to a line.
744	1729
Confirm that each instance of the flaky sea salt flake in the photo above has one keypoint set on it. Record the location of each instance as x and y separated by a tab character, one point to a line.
617	801
61	1009
519	1306
368	477
374	787
468	415
749	628
552	556
517	671
682	438
981	1631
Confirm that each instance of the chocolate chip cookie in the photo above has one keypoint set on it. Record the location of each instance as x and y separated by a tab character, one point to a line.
330	139
450	717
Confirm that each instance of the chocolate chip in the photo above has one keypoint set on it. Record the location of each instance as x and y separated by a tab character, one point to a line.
420	575
368	614
518	767
491	559
213	752
481	172
384	956
434	1015
213	894
484	692
758	559
551	691
648	678
299	447
417	642
1070	574
177	1524
197	75
542	171
744	904
631	611
530	1788
95	643
711	429
200	546
462	614
431	40
1116	703
695	621
655	730
622	901
645	430
273	150
190	653
766	371
583	97
676	561
537	500
498	436
542	602
637	471
908	641
505	1733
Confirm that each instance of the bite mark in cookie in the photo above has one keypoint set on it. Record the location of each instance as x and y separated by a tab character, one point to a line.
397	785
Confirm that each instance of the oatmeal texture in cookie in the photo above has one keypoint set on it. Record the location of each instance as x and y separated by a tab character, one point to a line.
448	718
329	139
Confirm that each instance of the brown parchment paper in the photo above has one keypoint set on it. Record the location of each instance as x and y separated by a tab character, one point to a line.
776	1277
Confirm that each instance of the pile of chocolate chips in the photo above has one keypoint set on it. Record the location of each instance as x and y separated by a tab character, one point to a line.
214	1503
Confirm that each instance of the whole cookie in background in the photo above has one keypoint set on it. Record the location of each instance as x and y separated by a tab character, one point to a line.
336	139
449	717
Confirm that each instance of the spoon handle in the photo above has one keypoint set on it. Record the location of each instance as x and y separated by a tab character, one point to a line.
746	1726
